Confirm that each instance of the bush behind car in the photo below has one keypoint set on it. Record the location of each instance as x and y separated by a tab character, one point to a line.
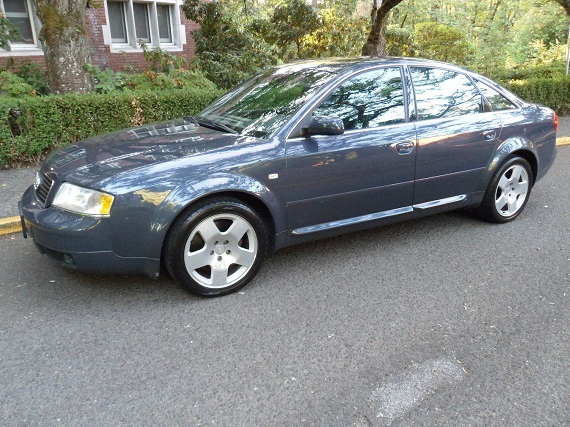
31	127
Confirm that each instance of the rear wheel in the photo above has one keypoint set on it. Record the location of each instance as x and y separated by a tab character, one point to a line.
508	191
217	248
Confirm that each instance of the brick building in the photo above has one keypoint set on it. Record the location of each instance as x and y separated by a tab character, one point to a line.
115	29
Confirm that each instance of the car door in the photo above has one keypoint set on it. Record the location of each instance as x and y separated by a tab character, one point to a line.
365	173
457	134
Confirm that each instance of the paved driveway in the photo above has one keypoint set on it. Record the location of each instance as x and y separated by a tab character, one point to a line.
445	321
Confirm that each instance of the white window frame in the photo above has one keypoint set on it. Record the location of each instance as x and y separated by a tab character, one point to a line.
178	33
24	49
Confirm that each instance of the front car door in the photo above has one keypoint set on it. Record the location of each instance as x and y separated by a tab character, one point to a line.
364	174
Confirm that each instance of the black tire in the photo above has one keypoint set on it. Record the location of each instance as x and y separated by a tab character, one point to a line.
217	247
508	191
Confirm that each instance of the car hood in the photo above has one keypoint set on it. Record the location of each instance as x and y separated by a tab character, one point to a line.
100	157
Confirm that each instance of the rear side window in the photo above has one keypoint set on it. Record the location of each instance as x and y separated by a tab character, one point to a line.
444	93
497	101
367	100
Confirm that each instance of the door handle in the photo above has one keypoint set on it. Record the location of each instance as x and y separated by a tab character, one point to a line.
403	147
489	135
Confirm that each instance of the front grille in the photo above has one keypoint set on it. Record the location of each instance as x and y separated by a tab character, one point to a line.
44	184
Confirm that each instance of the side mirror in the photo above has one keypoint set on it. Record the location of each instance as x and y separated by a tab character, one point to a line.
323	125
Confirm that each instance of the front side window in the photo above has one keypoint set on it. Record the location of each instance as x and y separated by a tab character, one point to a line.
133	22
371	99
444	93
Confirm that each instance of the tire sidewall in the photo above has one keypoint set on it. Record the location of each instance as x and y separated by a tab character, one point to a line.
184	227
488	207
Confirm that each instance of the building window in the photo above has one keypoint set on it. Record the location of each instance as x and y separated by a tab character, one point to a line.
20	14
163	14
118	28
142	30
132	22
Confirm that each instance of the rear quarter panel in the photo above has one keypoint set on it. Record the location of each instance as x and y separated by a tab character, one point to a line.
528	131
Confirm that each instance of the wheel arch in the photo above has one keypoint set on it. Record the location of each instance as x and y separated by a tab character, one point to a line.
507	149
253	201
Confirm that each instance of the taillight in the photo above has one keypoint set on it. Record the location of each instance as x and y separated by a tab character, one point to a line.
556	122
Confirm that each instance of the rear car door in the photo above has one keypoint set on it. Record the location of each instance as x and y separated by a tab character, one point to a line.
365	173
457	134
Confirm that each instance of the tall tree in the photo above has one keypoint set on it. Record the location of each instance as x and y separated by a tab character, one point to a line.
65	44
376	43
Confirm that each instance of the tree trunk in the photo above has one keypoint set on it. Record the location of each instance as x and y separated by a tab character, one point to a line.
376	43
65	43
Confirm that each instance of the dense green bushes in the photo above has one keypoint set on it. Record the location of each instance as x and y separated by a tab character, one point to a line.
552	92
30	127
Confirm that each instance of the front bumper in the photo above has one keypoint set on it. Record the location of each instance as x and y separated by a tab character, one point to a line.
76	241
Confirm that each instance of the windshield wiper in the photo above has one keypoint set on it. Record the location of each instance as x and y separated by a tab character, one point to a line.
215	125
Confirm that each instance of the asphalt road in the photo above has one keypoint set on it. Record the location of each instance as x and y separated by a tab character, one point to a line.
445	321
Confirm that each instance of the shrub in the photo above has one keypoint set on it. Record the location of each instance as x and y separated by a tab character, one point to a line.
13	86
553	92
442	43
525	72
108	81
33	126
35	76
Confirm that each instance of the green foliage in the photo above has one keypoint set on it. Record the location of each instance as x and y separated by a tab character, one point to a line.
544	22
162	61
12	85
34	75
525	72
441	42
227	48
553	92
337	35
399	41
501	32
108	81
33	126
290	23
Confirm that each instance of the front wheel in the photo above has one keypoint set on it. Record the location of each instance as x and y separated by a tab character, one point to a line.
508	191
217	248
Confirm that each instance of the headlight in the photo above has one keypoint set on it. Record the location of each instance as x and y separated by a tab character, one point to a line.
83	200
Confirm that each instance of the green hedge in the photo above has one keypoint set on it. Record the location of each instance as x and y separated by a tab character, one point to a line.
552	92
31	127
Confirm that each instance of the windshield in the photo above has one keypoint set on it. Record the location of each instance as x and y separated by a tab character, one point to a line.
264	103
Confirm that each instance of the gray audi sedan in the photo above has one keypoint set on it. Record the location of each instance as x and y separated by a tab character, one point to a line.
300	152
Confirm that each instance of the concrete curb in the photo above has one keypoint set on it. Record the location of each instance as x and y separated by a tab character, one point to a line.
13	225
10	225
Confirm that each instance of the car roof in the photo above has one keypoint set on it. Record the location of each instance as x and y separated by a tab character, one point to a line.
340	64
